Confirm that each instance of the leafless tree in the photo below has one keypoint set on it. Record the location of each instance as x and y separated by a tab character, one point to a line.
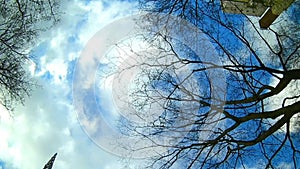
251	118
21	23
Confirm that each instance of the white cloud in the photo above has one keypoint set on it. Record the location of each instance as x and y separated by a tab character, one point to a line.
47	123
99	16
276	102
292	89
285	166
58	69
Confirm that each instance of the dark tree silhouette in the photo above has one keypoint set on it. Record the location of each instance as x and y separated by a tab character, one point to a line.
255	123
21	23
50	163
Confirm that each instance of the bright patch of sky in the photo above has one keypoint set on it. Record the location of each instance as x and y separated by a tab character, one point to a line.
48	123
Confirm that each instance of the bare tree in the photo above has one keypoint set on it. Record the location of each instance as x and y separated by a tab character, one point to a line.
21	23
255	123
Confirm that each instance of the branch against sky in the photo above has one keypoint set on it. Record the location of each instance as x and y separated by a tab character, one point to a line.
250	125
21	23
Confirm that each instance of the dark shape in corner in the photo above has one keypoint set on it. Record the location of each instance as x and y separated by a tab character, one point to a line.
50	162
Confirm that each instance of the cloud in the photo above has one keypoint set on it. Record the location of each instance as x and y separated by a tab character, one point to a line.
277	101
48	123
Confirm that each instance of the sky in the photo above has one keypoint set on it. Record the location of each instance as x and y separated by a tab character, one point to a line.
48	122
